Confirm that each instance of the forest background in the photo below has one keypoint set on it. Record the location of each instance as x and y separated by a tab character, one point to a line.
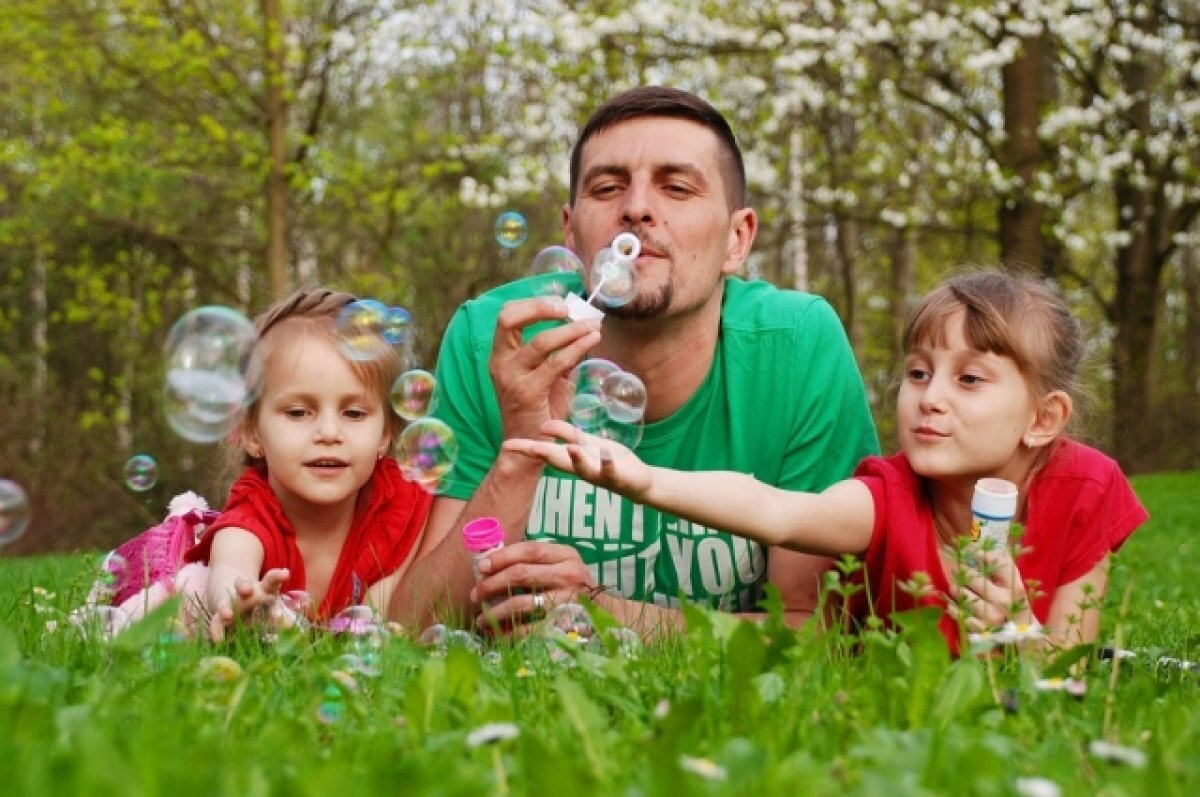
158	155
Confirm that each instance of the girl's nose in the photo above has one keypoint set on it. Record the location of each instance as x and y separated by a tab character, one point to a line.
329	427
933	397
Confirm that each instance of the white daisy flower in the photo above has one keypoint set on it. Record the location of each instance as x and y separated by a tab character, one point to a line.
1072	686
1037	787
491	733
704	767
1118	754
1013	633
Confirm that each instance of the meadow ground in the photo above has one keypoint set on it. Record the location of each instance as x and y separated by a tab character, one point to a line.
727	708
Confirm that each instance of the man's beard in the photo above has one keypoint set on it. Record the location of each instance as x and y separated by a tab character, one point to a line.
645	306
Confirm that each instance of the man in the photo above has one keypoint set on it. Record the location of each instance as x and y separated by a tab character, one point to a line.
740	376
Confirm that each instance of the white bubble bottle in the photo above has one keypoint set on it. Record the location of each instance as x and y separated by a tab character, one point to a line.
481	536
992	509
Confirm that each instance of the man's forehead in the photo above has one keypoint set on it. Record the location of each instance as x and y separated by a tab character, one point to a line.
651	141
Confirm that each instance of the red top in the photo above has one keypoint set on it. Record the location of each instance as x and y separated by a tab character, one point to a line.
1080	507
387	524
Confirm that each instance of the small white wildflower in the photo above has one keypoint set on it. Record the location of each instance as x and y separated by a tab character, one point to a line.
662	709
51	626
1072	686
1011	633
1037	787
704	767
491	733
1118	754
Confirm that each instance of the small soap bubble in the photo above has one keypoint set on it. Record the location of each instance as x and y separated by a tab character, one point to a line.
511	229
14	511
360	330
457	637
99	622
589	375
612	278
414	394
113	568
433	636
624	397
627	434
141	473
426	452
588	411
356	620
207	362
571	618
556	267
396	326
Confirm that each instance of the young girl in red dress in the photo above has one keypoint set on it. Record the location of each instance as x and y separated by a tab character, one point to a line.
990	363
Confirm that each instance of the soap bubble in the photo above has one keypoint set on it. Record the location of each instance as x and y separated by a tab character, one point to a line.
14	511
99	622
433	636
426	451
570	618
207	364
511	229
589	375
555	265
356	620
612	278
588	411
360	328
624	397
396	326
414	394
627	434
141	473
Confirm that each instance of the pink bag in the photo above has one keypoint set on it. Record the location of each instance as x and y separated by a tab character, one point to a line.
148	564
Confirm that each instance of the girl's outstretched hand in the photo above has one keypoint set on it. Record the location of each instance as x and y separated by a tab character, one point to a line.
601	461
246	596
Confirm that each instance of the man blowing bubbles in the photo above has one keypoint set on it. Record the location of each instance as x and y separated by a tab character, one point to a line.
740	376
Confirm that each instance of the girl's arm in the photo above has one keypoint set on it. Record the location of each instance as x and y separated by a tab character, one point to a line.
1074	615
837	521
234	587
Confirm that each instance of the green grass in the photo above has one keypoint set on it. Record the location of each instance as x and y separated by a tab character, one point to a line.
768	710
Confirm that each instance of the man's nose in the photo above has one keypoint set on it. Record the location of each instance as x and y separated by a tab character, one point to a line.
638	204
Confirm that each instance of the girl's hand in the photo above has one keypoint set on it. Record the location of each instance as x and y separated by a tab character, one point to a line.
988	592
246	596
602	462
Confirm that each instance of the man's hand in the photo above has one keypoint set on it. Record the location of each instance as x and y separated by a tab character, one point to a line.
524	580
530	377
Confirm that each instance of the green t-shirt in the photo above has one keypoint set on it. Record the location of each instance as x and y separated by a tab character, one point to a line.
783	401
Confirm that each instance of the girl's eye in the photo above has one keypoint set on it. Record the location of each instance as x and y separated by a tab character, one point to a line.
971	379
357	414
917	374
295	412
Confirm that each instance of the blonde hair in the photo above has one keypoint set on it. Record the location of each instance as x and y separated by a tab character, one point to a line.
1014	315
314	313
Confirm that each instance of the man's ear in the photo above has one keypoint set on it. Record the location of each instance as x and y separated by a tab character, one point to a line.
743	226
1054	410
568	232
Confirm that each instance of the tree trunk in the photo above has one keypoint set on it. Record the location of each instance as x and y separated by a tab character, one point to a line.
1024	97
904	261
276	187
41	368
797	239
847	244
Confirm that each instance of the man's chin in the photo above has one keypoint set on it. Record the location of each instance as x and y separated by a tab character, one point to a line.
642	308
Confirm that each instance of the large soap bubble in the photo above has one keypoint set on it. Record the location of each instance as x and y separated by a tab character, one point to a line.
426	452
608	402
141	473
364	329
14	511
414	394
207	362
555	265
612	278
